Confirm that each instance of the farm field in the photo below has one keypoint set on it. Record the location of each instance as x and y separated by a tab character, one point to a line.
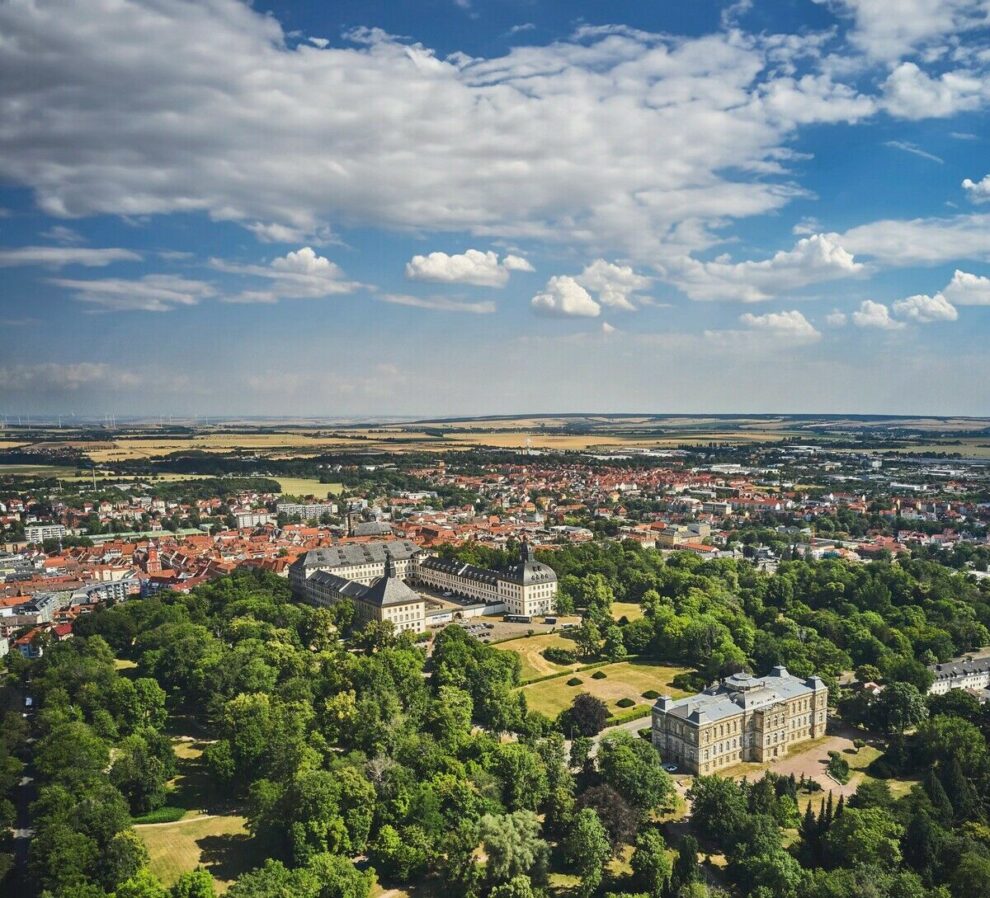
624	679
304	486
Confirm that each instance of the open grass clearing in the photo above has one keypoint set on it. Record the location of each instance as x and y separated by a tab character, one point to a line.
629	610
220	844
624	679
529	649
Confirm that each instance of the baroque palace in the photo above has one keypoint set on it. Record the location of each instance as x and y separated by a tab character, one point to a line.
376	576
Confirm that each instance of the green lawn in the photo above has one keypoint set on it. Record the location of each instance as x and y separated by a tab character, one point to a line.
628	610
528	648
625	679
221	844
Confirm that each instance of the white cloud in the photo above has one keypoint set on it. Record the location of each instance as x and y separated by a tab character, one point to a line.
57	256
300	274
613	138
812	260
913	94
979	191
63	235
875	314
614	284
438	303
926	309
836	319
887	30
564	297
483	269
151	293
920	241
608	328
968	289
792	325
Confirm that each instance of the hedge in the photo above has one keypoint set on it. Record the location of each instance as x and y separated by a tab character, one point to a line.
626	716
166	814
575	681
599	675
625	702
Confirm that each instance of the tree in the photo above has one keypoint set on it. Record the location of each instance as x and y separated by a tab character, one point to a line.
588	714
872	794
618	817
194	884
686	869
513	846
587	850
718	809
650	864
401	856
517	887
898	708
523	775
632	767
143	884
864	836
124	857
971	875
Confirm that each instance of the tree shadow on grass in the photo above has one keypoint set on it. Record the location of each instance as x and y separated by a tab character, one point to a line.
228	856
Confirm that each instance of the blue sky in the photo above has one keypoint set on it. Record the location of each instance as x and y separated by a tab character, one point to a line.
451	207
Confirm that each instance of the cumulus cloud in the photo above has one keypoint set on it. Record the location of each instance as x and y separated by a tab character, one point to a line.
875	314
151	293
836	319
483	269
979	191
299	274
789	325
564	297
911	93
615	285
821	257
612	137
58	256
968	289
438	303
926	309
920	241
887	30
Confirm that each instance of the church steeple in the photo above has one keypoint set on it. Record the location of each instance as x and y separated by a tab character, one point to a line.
525	552
391	568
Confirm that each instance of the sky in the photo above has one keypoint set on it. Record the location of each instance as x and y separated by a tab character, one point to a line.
473	207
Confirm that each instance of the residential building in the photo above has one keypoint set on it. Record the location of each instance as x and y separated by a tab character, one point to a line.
38	533
742	718
307	511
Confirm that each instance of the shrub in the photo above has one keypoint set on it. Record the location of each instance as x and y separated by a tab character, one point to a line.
645	733
559	656
858	743
651	694
575	681
625	702
599	675
838	767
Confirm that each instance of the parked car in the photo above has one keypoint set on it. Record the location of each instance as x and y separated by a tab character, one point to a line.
670	768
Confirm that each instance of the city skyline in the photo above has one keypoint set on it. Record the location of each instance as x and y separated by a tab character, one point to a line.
464	208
